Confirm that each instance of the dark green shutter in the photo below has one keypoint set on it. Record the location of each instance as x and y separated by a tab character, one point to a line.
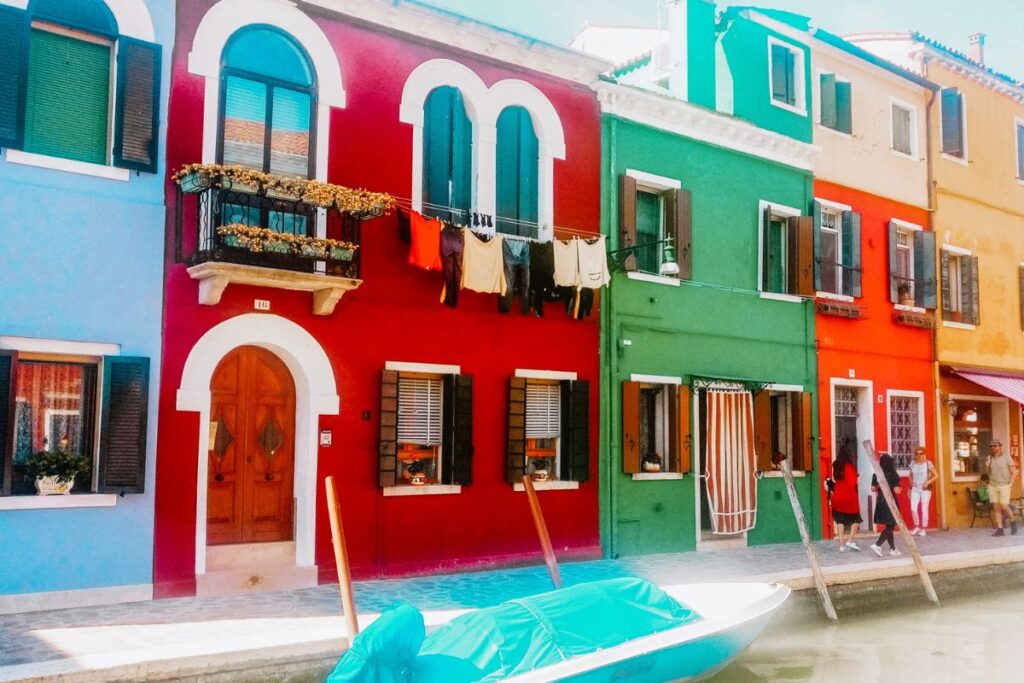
790	77
816	212
844	107
975	291
515	452
829	104
966	295
136	138
947	305
894	283
517	168
851	254
627	218
952	122
924	269
575	430
447	152
462	155
14	41
8	371
123	424
387	456
779	73
457	428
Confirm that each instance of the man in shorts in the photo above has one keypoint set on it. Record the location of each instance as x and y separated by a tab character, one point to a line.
1002	472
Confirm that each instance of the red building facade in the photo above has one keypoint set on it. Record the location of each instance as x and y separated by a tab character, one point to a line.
272	381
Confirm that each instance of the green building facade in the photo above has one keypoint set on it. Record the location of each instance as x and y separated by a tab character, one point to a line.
706	213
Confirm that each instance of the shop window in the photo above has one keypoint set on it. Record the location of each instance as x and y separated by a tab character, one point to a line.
904	429
447	155
782	430
548	430
972	434
959	288
54	406
518	163
655	428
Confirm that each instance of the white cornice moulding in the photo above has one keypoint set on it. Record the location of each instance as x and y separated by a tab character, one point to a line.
682	118
976	75
449	29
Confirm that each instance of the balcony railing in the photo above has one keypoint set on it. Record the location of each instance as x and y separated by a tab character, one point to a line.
240	226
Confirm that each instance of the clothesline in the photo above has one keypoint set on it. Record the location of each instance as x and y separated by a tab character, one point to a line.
406	203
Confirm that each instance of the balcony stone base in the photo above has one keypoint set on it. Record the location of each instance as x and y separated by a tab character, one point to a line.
214	278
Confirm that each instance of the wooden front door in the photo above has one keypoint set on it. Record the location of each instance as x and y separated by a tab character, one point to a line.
252	449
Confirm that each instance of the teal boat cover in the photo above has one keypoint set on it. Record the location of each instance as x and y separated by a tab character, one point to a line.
512	638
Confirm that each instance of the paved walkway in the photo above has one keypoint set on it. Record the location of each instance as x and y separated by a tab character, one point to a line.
307	622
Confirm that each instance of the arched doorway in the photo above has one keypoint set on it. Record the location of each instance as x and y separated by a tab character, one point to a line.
251	467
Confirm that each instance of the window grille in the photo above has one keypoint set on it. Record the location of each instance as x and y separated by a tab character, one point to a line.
419	410
543	410
904	434
846	402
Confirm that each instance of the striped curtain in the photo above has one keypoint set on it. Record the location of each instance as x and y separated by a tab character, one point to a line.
729	466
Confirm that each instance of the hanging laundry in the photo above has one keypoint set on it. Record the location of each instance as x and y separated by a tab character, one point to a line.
483	269
404	229
426	241
516	257
451	263
542	273
567	272
593	264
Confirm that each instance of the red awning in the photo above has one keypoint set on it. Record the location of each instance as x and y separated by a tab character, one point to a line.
1010	386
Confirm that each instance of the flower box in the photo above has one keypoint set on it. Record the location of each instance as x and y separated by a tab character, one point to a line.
341	254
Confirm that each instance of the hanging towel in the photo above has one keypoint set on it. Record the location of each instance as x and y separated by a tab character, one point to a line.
593	264
425	251
483	267
730	463
567	272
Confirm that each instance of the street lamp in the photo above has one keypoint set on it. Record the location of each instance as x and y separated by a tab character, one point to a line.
669	267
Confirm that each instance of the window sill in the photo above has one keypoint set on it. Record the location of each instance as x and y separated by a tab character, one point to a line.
657	279
904	155
84	500
834	297
848	136
791	298
958	326
16	156
778	475
550	486
791	108
909	309
434	490
657	476
955	159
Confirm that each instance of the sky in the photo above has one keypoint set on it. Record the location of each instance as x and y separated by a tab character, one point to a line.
947	21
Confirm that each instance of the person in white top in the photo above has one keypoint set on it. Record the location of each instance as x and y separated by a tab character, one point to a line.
922	477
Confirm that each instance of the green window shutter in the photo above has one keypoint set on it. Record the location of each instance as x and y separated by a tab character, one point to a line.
947	305
136	138
8	372
14	41
780	75
952	122
844	107
924	269
975	292
462	155
123	418
387	456
575	431
790	77
894	284
817	245
851	254
529	167
649	217
68	99
517	167
515	452
457	426
828	101
447	152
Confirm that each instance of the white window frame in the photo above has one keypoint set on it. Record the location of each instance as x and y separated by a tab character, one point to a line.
957	252
816	97
557	484
963	131
655	184
909	228
902	393
799	77
914	154
1018	132
781	211
838	231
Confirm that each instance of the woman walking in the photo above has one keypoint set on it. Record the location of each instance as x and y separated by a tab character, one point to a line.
922	477
845	503
883	515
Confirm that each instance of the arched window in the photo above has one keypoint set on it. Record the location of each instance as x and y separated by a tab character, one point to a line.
268	98
447	155
518	162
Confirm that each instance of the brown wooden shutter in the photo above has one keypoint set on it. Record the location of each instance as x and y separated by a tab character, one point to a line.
387	462
800	255
457	428
515	453
631	428
682	437
8	374
137	132
627	218
684	233
803	436
123	424
763	430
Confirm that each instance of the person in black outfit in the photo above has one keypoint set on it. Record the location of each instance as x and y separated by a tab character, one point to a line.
883	515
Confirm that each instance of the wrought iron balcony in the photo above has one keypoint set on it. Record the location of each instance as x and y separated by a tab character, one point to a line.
245	227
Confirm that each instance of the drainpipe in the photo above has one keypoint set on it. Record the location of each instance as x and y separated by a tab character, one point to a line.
611	348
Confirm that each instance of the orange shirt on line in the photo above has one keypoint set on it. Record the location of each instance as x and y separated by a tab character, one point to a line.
426	241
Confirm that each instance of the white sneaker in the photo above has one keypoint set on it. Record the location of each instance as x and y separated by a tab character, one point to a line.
915	532
877	550
842	548
923	533
852	545
894	553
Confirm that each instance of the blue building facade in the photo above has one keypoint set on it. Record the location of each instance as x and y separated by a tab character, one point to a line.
83	95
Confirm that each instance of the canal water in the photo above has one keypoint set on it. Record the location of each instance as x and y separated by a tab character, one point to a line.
980	638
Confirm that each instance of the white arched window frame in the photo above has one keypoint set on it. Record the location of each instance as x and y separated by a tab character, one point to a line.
225	19
483	107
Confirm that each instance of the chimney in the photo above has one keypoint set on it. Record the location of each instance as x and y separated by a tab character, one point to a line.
977	41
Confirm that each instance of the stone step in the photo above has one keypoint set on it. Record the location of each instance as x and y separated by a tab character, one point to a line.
255	579
245	555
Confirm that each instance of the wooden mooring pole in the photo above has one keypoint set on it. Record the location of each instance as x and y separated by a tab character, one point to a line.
805	536
883	486
542	532
348	600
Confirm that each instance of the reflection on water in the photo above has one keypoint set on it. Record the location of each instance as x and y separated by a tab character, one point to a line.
976	638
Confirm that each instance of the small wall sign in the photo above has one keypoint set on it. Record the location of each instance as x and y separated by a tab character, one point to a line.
261	304
325	437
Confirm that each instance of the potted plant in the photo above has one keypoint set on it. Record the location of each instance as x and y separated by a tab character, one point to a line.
904	295
55	471
417	473
539	469
652	463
